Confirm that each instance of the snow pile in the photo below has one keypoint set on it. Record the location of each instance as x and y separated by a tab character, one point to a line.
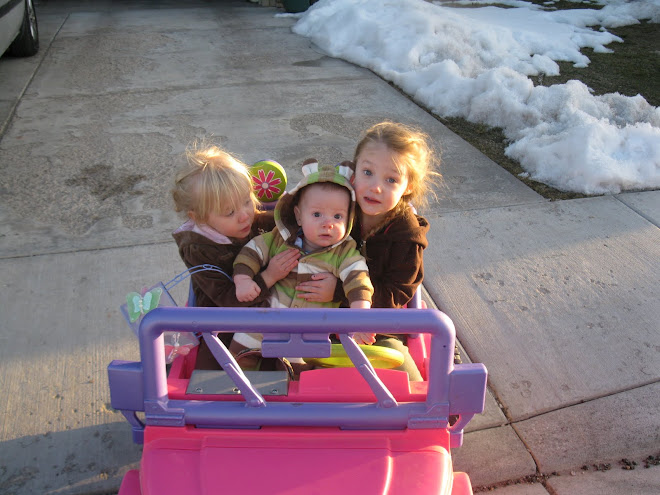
475	62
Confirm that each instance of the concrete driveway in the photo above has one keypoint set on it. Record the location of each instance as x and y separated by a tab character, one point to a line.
558	299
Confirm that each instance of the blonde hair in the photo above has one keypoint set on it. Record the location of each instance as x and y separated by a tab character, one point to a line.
211	181
415	157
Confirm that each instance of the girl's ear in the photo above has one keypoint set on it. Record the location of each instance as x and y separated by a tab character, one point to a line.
191	215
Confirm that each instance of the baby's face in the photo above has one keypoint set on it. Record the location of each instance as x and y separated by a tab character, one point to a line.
323	216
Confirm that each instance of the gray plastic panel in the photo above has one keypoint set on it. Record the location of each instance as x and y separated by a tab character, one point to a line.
218	382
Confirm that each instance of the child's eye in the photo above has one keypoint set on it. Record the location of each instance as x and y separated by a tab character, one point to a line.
367	172
338	216
316	214
392	180
229	214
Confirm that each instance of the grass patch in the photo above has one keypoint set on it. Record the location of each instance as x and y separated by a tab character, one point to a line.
633	68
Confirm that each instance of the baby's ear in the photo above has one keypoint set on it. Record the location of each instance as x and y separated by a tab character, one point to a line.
296	212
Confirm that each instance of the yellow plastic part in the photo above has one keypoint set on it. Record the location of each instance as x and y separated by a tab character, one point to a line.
380	357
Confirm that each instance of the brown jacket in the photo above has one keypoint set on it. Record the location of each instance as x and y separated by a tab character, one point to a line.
212	288
395	256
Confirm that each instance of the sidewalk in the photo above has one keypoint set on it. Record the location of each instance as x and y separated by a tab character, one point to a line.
558	299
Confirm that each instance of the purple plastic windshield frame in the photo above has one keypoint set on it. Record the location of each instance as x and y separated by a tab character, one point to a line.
464	384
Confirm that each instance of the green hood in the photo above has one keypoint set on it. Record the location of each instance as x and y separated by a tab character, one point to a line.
285	218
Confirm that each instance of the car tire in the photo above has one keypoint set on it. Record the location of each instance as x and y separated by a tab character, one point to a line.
26	43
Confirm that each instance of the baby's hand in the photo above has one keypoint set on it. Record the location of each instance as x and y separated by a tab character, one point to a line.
246	289
321	288
279	266
363	338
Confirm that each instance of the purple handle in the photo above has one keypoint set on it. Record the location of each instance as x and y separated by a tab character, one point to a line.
320	321
451	390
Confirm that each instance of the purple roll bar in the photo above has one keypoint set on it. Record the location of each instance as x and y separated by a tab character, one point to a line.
452	389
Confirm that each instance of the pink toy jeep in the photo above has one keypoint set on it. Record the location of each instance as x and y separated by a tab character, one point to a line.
349	430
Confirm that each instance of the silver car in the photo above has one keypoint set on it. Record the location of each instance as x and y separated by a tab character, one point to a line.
19	34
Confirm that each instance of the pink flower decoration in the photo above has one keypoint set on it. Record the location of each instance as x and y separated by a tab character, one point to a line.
266	184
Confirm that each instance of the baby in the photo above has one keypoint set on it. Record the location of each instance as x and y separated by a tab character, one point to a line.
316	217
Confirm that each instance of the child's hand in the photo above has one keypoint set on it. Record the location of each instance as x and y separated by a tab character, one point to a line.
246	289
280	265
363	338
321	288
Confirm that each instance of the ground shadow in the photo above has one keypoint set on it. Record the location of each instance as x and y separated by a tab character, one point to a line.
90	460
